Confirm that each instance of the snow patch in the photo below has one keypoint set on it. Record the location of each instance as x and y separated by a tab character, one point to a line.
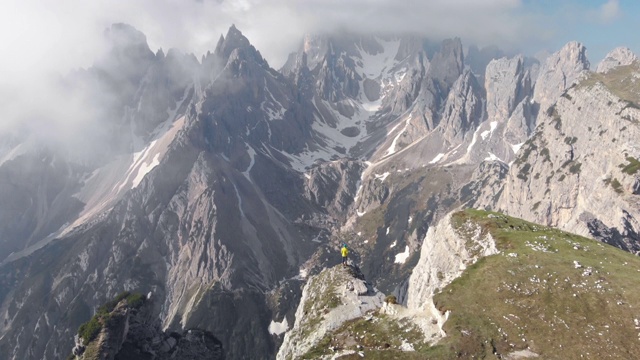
275	111
239	200
516	147
403	256
372	106
360	214
437	158
303	273
145	168
252	154
148	158
473	141
488	133
378	65
278	328
492	157
381	177
395	242
392	148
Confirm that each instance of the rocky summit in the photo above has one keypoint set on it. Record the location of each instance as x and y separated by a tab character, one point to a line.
224	188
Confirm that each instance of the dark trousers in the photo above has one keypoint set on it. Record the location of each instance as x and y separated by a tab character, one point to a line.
344	260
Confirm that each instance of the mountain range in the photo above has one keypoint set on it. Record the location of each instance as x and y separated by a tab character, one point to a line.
221	186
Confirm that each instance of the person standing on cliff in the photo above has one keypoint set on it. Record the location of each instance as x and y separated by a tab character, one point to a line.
345	254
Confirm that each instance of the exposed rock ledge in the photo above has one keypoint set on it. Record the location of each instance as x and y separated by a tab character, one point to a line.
331	298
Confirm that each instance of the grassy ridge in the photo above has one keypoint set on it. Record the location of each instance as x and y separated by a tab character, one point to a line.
557	294
547	292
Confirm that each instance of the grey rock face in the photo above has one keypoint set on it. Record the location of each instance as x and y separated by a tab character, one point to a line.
332	186
463	109
447	64
329	299
37	196
560	70
443	257
572	168
134	333
507	83
619	56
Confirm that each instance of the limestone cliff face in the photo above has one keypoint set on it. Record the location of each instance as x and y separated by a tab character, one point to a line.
507	83
463	109
579	171
329	299
445	253
560	70
333	186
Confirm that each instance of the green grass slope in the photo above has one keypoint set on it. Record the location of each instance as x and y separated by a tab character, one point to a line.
548	293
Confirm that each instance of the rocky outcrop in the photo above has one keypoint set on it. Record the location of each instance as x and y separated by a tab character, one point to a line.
507	83
619	56
463	109
333	186
131	332
560	70
446	252
329	299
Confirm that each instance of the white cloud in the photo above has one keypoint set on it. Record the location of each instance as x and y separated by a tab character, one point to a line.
38	37
609	11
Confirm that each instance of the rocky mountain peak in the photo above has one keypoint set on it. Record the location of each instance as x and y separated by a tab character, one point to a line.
506	86
125	36
617	57
463	108
235	40
447	64
561	70
128	52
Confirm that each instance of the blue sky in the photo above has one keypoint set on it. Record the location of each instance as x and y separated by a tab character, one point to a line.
600	25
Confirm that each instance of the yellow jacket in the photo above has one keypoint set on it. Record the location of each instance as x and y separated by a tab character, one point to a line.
345	251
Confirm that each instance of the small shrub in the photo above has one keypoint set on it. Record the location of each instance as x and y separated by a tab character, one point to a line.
90	330
617	187
575	168
528	147
535	206
551	110
391	299
632	167
524	172
557	123
545	153
136	300
570	140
